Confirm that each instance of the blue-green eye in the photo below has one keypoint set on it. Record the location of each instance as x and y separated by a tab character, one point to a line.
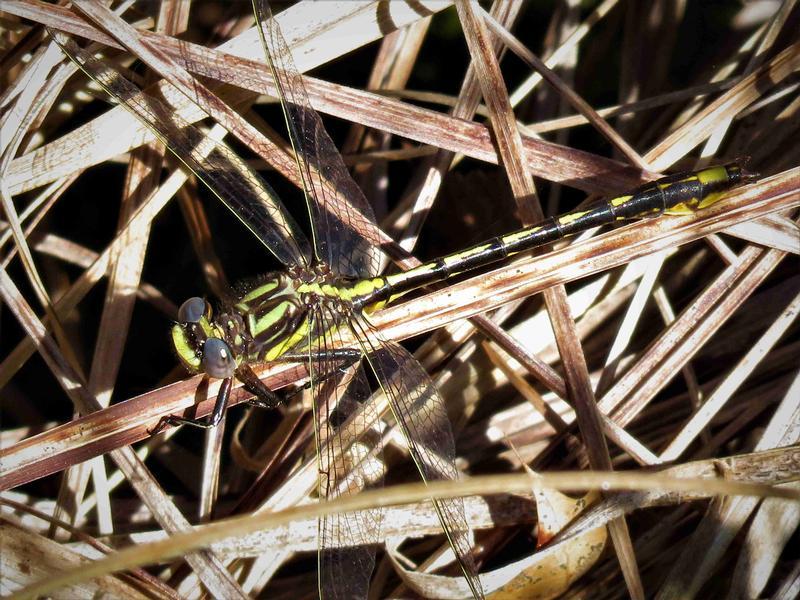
218	359
192	310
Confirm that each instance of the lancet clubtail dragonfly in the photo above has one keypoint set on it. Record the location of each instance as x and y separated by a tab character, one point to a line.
329	288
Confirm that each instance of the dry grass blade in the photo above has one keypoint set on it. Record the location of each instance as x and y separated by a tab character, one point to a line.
205	536
655	361
733	101
580	105
416	203
576	371
93	143
43	557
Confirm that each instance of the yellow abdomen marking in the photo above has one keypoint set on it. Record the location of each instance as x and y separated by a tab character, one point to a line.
422	269
519	235
712	175
455	258
619	200
570	217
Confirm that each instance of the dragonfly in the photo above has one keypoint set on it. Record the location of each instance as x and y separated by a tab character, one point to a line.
316	310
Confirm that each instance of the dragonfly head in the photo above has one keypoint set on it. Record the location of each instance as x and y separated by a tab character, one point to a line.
200	342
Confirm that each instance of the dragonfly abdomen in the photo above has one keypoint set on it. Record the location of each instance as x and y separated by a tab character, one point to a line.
676	194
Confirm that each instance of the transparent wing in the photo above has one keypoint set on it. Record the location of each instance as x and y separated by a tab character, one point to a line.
422	418
216	165
349	461
339	212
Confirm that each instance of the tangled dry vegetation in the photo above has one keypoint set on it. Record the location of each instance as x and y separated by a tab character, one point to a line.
664	350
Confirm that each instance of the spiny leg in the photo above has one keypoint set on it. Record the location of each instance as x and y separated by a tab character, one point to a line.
264	397
221	404
346	358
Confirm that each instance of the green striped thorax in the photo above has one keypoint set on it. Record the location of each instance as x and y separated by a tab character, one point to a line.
263	322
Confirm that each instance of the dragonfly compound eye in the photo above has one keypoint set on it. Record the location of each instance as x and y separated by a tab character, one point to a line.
218	360
192	310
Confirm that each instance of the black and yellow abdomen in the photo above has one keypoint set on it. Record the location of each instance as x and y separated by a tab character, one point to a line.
676	194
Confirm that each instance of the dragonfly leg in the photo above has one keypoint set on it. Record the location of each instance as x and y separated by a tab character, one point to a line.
208	423
264	397
346	357
343	358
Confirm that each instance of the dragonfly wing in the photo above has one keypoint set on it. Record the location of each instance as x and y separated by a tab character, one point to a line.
343	221
217	166
349	460
420	413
